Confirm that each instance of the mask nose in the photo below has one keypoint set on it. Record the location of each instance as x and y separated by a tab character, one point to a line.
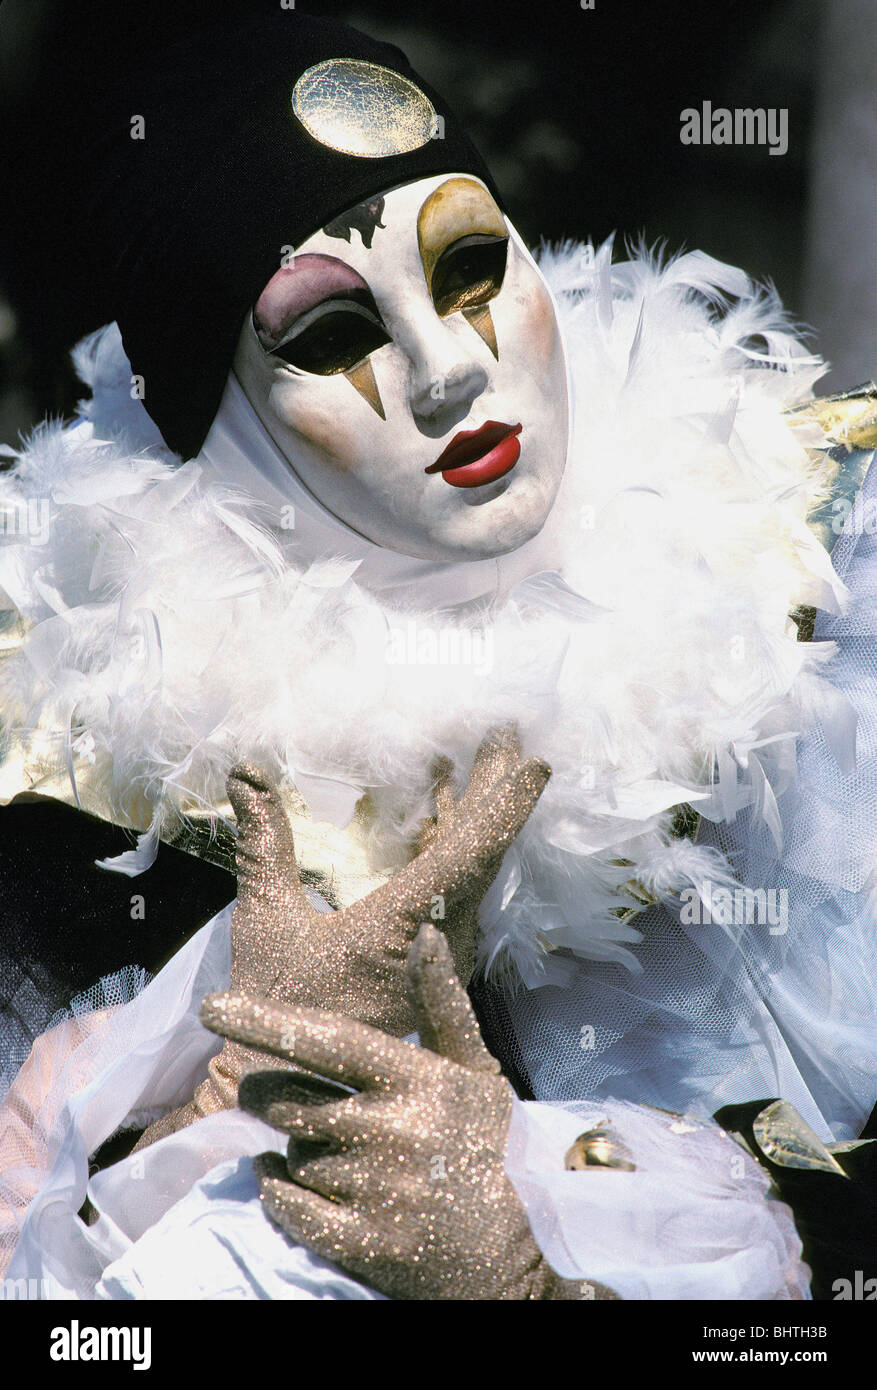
445	380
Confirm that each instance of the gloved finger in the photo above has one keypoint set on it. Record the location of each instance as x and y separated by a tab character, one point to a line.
301	1151
260	1090
360	1240
333	1046
499	753
471	848
306	1217
442	1011
341	1123
265	849
444	804
444	791
341	1176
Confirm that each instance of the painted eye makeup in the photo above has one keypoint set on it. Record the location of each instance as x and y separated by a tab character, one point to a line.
333	337
463	241
468	273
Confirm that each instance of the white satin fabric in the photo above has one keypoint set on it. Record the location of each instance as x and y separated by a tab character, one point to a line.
182	1219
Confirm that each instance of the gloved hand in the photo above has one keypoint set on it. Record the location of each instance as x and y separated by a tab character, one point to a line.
409	1193
353	960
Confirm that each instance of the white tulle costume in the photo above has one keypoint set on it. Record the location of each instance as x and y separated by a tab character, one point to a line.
641	644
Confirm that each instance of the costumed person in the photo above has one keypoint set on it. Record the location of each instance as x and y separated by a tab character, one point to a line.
479	584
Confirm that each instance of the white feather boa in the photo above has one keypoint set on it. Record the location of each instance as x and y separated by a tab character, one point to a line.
171	635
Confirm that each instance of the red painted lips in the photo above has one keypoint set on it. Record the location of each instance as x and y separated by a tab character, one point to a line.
476	457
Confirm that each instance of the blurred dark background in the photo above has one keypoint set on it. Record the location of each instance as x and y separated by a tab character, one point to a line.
578	113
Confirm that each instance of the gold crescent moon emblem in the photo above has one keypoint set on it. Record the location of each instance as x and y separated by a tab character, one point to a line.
363	109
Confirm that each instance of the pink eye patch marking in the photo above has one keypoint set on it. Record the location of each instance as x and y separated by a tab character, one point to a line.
298	287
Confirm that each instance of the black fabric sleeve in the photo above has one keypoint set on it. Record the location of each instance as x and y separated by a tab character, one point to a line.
65	923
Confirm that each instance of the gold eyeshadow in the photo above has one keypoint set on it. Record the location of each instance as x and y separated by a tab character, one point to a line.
457	208
462	239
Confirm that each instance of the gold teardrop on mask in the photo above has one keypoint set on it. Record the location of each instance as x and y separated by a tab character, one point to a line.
482	321
363	378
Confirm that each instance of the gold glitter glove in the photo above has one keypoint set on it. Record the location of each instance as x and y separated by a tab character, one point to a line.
401	1180
498	756
353	960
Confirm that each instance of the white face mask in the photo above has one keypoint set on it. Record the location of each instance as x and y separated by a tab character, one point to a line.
415	318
